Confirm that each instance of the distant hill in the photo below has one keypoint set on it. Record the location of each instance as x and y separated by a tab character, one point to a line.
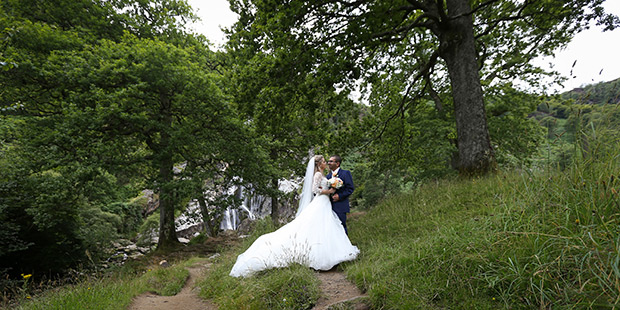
600	93
588	102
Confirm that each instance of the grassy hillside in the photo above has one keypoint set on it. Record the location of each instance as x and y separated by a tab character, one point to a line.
524	239
518	240
599	93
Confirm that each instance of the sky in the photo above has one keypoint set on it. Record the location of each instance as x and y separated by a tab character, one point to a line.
594	53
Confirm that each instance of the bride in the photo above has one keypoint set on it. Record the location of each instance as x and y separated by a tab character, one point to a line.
315	238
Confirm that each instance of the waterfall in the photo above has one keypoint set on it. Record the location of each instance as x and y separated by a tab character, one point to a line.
253	206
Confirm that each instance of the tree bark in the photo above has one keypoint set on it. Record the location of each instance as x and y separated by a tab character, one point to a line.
206	218
275	214
167	231
459	52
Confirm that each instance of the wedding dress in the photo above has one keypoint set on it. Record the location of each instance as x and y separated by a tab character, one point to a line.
315	238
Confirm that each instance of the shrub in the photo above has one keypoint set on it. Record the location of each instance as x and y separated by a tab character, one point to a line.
130	215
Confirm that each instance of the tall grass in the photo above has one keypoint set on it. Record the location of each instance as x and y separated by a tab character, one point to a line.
517	240
113	292
526	239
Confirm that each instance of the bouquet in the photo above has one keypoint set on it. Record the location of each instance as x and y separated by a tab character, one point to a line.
335	182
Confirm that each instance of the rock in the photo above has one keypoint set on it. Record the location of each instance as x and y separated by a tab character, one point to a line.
183	240
245	227
135	255
164	263
144	250
130	248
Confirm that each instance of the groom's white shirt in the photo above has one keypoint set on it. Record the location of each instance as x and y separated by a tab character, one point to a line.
336	171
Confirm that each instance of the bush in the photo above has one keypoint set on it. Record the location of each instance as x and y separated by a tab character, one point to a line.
99	229
148	229
46	223
130	215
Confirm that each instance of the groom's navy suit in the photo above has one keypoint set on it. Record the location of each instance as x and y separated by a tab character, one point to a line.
342	207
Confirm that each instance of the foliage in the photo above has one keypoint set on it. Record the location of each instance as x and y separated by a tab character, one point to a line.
421	147
286	99
129	214
400	53
516	138
574	119
599	93
148	229
100	99
98	229
374	181
46	226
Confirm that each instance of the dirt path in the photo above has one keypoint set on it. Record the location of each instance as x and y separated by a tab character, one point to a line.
186	299
338	290
334	285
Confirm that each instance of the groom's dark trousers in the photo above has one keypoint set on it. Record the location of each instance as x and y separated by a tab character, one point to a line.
342	207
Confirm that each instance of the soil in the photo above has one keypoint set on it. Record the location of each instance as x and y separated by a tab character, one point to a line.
187	299
338	290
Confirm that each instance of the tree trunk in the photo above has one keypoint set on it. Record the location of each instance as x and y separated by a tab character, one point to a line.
167	231
274	183
274	204
459	51
206	218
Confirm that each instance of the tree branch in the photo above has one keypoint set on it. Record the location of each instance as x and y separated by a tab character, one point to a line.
402	106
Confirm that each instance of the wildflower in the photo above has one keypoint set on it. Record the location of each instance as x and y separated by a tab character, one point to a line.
26	276
493	298
577	221
28	297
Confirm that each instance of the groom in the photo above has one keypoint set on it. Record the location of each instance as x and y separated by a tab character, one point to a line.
340	199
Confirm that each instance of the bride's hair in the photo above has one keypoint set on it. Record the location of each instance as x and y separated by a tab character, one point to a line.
317	161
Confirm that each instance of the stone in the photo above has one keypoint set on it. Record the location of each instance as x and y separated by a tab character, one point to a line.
136	255
144	250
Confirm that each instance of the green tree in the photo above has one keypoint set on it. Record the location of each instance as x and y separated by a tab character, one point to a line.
146	105
423	49
286	99
118	87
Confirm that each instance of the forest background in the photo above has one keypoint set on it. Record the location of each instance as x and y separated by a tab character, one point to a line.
101	100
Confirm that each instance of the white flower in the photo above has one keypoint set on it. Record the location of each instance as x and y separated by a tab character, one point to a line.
335	182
